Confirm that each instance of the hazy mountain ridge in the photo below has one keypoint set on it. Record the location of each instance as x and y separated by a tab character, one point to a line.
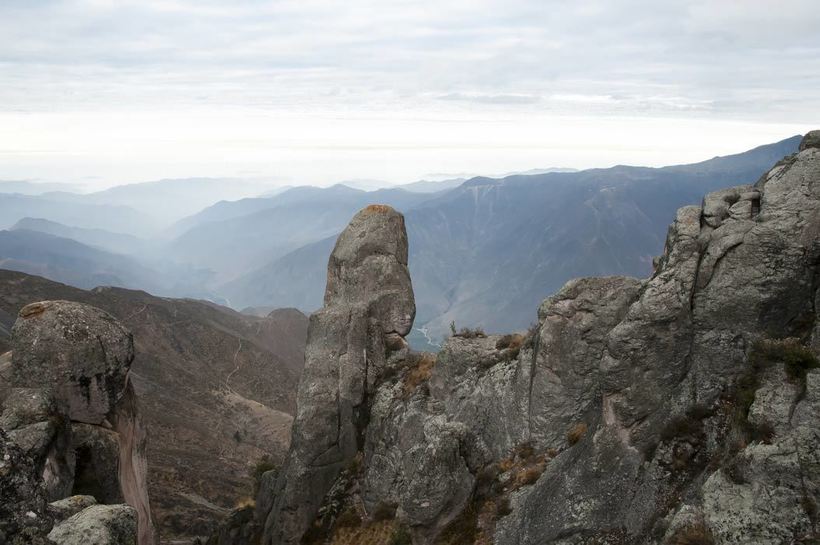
99	238
295	218
480	253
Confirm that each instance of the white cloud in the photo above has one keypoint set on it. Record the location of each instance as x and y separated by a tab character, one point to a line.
456	62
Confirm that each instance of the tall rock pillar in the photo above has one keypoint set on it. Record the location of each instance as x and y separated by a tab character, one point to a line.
368	310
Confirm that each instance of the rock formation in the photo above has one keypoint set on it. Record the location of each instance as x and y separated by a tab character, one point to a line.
684	408
72	411
368	309
216	391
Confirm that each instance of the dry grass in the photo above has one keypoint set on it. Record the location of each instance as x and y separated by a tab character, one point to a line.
375	533
529	475
512	341
576	433
419	373
471	333
242	503
796	358
695	534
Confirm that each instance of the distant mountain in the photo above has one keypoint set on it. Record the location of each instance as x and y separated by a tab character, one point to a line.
216	388
251	232
169	200
71	262
68	209
482	252
98	238
27	187
427	186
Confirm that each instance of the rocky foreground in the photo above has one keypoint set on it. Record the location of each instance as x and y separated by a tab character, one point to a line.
216	392
72	444
681	409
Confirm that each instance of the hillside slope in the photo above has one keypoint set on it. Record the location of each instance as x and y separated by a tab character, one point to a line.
216	388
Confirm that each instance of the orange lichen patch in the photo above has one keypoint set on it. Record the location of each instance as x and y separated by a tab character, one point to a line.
374	533
377	209
33	309
419	373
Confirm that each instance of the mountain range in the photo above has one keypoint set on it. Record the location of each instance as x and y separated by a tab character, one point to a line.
480	253
480	249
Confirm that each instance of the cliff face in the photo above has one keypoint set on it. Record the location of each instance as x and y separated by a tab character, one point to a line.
684	408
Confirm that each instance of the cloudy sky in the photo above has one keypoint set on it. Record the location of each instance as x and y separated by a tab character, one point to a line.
317	91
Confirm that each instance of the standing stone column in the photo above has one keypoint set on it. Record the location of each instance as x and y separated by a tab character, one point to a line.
368	306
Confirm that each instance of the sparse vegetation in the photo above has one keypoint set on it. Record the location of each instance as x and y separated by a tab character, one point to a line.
576	433
463	529
419	372
796	358
694	534
244	503
262	466
384	511
471	333
511	343
348	518
401	536
531	337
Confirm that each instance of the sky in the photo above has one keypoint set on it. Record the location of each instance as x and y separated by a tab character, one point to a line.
104	92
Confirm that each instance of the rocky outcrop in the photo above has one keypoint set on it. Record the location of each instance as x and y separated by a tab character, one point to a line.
72	410
24	518
368	306
216	391
33	420
98	525
678	409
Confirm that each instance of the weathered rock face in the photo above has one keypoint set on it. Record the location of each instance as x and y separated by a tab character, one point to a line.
33	421
79	351
73	410
24	518
634	412
98	525
368	303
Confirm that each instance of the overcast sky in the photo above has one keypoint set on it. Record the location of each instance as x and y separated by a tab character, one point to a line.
317	91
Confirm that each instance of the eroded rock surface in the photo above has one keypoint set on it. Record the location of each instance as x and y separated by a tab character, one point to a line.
82	353
24	518
98	525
